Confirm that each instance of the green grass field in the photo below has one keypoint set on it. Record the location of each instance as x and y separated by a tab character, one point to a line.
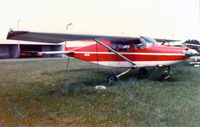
44	93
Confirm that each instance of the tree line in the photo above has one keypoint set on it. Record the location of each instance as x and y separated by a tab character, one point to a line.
192	42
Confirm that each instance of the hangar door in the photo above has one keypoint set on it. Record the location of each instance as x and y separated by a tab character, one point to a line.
27	50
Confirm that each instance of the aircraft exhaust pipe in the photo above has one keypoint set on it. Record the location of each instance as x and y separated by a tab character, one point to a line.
190	52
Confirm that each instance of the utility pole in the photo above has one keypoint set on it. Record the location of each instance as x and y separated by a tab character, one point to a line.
199	19
18	41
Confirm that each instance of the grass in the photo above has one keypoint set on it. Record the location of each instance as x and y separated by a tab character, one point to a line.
44	93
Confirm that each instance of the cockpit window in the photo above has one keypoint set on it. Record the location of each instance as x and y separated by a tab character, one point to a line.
147	41
114	46
123	46
138	44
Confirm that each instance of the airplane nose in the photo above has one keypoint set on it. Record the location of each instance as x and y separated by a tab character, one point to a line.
191	52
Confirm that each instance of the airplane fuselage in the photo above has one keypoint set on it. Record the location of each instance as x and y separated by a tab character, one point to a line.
141	55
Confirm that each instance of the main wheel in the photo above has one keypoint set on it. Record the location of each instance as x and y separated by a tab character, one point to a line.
164	77
142	73
112	78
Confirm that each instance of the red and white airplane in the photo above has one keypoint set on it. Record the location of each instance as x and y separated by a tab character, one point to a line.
114	51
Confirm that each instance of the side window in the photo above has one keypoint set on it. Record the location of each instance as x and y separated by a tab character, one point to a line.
124	47
120	47
114	46
138	45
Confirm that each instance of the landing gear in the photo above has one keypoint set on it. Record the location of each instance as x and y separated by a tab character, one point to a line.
142	73
112	77
166	76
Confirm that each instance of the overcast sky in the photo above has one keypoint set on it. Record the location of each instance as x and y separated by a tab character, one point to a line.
171	19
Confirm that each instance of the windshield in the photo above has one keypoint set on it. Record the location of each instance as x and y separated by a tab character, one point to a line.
147	41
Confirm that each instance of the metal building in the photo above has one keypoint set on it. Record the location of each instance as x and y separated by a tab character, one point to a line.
15	49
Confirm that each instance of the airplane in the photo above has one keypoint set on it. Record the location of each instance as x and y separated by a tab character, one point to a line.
187	45
113	51
196	59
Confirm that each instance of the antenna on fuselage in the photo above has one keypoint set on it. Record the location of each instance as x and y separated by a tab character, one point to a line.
18	45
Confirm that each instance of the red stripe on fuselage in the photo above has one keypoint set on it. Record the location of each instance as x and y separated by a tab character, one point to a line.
114	57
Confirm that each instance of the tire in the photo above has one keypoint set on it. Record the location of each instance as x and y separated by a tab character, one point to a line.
112	78
143	71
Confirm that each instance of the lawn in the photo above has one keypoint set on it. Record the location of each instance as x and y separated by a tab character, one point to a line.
44	93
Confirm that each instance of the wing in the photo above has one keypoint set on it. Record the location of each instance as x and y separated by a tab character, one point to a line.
166	40
61	37
195	45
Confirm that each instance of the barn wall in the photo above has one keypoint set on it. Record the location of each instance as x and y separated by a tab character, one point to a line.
13	51
4	51
8	51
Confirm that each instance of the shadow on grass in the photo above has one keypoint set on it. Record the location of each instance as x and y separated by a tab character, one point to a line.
91	77
99	70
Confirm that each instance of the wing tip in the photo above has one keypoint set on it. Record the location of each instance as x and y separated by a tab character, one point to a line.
12	33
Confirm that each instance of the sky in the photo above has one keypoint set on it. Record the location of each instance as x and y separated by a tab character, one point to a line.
169	19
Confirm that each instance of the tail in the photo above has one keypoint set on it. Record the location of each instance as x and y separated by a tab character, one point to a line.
70	46
76	45
66	51
66	48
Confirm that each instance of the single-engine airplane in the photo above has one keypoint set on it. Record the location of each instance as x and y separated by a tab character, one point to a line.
114	51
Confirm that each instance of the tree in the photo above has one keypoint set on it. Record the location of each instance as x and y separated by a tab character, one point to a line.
192	42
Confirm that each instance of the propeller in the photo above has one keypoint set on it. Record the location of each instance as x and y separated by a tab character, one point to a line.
191	52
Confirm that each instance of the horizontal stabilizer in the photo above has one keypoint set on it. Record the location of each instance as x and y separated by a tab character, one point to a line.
54	52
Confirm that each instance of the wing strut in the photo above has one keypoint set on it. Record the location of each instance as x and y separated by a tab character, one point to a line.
112	50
